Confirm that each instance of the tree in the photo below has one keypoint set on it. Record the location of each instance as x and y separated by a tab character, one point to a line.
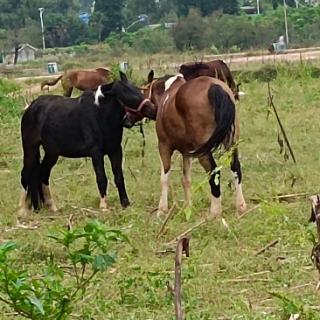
207	7
188	34
111	15
134	8
230	6
12	18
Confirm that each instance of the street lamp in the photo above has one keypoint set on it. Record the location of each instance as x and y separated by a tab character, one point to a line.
42	28
141	18
285	21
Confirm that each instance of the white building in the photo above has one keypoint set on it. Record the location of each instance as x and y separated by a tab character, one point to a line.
26	52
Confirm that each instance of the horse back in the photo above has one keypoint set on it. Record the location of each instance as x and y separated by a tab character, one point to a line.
84	80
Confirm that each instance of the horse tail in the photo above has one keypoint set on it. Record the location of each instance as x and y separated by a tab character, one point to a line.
224	114
50	82
228	78
31	172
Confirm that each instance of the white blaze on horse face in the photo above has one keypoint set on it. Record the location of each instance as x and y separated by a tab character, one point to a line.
98	94
163	203
171	80
241	205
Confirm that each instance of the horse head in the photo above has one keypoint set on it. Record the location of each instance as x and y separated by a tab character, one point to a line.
136	107
155	88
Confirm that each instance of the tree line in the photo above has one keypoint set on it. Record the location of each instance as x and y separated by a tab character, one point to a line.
201	23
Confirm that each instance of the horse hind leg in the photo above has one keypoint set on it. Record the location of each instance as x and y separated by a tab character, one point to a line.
47	164
67	87
210	166
24	203
186	180
236	169
68	91
165	155
31	195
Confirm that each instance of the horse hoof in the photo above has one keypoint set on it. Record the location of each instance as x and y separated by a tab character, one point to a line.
241	208
24	212
161	212
103	204
125	204
216	208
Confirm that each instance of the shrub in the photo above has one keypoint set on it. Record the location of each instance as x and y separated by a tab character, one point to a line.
52	293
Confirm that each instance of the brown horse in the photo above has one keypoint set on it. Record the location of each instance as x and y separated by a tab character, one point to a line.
80	79
195	117
215	68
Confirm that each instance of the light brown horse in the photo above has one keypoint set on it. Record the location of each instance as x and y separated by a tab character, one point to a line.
215	68
80	79
195	117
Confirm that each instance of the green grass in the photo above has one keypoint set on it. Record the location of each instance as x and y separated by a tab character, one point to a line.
275	284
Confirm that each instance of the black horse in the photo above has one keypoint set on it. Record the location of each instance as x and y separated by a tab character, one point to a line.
88	126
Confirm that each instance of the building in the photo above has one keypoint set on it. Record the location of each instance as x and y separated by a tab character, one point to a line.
26	52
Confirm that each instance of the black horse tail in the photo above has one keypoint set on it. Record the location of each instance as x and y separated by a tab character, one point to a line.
50	82
225	110
31	181
31	172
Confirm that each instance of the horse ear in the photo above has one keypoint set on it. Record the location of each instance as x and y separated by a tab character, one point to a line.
123	76
150	76
107	89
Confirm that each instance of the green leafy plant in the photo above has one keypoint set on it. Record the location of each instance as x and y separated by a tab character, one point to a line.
52	293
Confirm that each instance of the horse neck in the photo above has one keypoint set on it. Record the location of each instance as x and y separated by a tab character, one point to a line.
112	114
171	92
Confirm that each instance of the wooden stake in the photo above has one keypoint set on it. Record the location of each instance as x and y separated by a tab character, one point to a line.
279	122
268	246
248	211
182	246
168	217
183	234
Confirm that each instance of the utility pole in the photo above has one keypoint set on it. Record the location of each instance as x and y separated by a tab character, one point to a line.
285	21
258	6
42	28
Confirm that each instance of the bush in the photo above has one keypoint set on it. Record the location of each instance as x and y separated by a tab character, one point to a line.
144	40
52	293
190	32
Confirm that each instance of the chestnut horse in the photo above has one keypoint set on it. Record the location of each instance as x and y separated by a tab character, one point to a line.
80	79
215	68
195	117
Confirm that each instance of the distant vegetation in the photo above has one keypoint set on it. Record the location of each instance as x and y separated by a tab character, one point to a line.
216	26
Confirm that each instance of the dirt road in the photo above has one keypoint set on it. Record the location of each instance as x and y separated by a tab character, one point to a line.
236	61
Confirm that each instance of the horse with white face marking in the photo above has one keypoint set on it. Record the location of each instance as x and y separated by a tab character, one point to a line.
89	126
195	117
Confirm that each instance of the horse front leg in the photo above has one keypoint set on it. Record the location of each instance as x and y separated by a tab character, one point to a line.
236	169
101	178
47	164
116	165
210	166
165	156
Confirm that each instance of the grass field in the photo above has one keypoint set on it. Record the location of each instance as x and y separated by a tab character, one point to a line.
223	278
